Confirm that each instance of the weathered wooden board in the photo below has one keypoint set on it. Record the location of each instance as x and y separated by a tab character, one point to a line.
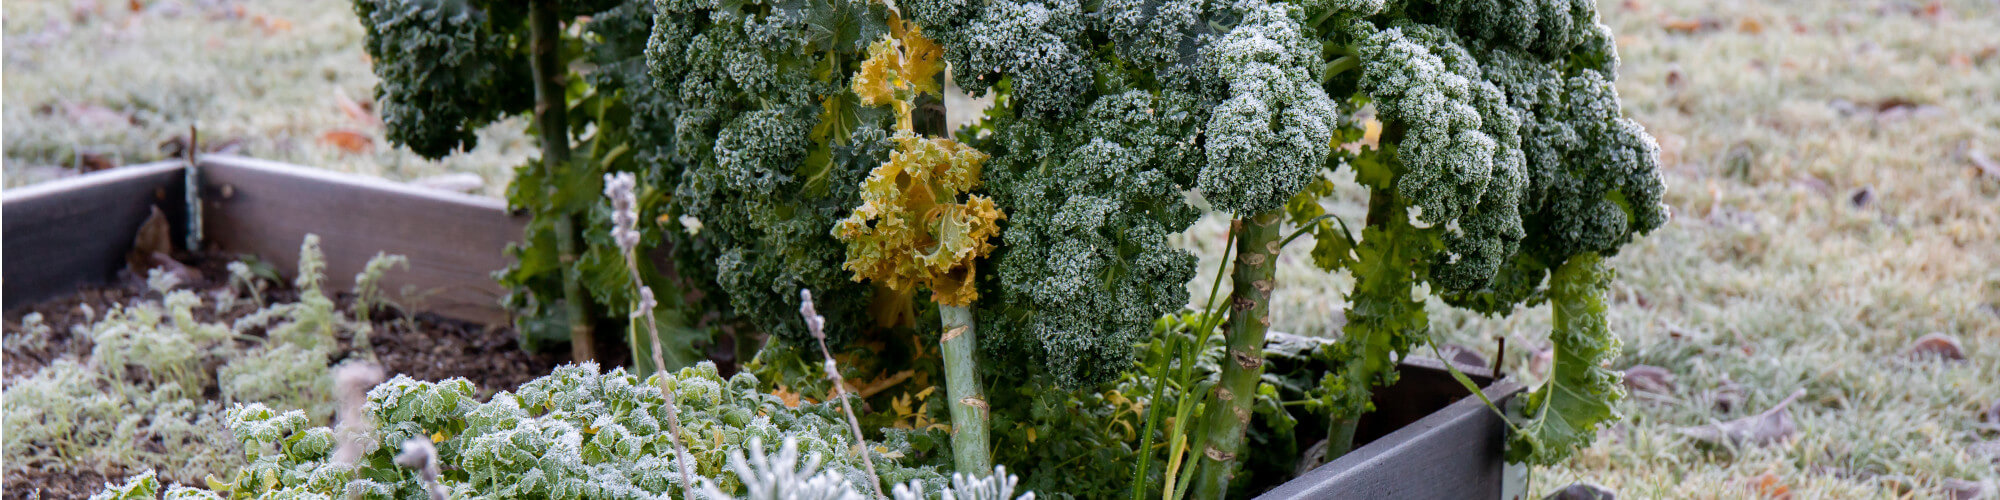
67	233
1422	452
454	241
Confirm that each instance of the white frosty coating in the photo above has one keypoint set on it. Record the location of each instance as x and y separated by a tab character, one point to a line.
624	209
1276	128
691	224
784	477
420	455
350	386
997	486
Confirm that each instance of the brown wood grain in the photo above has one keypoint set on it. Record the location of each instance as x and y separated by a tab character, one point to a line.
454	241
72	232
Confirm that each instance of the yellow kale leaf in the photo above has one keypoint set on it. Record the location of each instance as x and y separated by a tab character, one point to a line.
912	231
876	83
899	68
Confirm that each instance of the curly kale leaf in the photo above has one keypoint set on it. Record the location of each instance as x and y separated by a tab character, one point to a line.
913	231
447	68
771	148
1275	128
1567	409
1087	266
1037	45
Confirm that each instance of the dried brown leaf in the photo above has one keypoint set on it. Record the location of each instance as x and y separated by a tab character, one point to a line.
348	140
1650	379
1770	426
1936	346
154	236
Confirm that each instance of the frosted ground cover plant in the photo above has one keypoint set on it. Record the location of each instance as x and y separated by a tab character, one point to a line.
140	399
577	431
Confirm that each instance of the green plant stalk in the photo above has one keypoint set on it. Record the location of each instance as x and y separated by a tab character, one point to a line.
552	122
969	436
1365	336
1228	414
1160	381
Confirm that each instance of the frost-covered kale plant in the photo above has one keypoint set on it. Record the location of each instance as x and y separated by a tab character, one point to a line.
1502	174
577	69
141	398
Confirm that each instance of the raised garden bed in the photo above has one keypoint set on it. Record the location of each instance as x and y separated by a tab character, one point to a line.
77	231
1426	440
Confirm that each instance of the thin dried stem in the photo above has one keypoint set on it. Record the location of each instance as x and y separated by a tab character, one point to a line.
625	215
817	324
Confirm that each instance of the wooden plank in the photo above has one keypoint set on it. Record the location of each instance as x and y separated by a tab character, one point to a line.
454	241
1454	452
72	232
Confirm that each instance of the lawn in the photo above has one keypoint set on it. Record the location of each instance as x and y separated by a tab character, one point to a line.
1833	169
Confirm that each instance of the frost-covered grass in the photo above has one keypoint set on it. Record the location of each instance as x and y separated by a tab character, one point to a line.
98	77
1773	117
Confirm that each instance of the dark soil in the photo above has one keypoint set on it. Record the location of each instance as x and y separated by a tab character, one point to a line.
423	346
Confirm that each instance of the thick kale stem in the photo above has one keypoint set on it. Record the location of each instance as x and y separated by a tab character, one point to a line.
969	437
551	120
1228	413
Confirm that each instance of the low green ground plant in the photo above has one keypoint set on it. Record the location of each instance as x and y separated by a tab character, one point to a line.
141	399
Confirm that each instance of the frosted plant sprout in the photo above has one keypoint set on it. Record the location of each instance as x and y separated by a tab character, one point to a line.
783	477
624	217
148	371
575	432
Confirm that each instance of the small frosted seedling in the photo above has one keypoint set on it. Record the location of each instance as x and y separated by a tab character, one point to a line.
997	486
418	454
781	476
624	229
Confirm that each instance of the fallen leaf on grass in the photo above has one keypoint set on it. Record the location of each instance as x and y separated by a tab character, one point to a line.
270	24
1750	25
1649	379
1773	425
1961	489
348	140
1862	197
1989	450
1935	345
1769	485
97	116
1688	26
1984	163
360	111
